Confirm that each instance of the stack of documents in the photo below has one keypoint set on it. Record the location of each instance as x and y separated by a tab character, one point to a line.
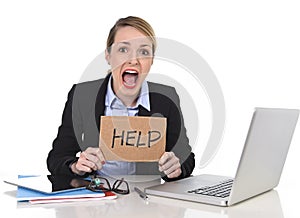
53	189
36	197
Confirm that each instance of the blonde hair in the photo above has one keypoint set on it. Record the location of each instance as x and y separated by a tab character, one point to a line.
135	22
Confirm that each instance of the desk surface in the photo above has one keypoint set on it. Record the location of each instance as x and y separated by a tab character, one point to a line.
266	205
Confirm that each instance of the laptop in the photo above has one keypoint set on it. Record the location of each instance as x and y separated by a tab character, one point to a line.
259	169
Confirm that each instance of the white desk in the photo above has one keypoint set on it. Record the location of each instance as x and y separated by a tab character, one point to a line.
263	206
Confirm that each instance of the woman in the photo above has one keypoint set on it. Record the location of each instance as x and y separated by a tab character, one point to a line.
130	50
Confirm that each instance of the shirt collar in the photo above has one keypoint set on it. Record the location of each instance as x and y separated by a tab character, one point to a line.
143	98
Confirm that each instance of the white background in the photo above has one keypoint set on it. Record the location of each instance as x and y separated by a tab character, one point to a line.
253	47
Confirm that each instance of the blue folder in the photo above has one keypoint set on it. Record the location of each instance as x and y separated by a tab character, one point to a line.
26	194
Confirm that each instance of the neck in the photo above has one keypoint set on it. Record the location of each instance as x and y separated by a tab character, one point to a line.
128	101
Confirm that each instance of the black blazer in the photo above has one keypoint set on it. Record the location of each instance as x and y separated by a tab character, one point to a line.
81	123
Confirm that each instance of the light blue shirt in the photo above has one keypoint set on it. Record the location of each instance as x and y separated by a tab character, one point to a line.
115	107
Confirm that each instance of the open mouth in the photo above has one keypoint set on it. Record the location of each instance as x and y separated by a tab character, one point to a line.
130	78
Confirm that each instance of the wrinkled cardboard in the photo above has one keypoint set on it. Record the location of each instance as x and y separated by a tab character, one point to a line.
143	138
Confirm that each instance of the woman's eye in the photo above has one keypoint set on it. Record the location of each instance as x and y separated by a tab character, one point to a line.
144	52
123	50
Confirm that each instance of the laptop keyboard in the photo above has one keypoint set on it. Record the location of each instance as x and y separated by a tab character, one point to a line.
221	189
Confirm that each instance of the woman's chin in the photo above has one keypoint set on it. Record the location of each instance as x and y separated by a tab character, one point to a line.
130	91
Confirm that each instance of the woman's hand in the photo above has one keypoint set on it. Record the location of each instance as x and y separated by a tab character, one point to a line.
170	165
90	160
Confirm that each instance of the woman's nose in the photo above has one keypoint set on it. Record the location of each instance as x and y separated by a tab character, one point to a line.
133	59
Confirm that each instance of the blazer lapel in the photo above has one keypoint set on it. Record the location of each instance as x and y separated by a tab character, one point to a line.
100	101
144	112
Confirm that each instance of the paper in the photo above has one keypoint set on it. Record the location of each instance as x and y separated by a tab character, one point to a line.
108	196
24	194
132	139
78	194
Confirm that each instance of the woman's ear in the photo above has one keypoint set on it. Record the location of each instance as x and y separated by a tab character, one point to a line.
107	56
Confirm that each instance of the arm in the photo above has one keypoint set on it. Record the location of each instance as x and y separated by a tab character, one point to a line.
65	146
177	142
62	158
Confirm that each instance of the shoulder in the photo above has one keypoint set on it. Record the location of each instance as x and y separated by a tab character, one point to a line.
86	92
160	88
89	85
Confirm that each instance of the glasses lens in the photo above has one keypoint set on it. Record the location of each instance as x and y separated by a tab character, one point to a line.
121	187
100	184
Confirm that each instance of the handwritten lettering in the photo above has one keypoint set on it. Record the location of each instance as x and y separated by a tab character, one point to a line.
134	138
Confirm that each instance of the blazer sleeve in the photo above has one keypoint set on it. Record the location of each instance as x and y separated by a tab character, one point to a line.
65	146
177	140
165	101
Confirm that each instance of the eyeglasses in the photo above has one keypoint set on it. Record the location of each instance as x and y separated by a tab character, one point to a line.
98	184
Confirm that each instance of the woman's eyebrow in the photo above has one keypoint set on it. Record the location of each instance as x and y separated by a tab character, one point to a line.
128	43
124	42
145	45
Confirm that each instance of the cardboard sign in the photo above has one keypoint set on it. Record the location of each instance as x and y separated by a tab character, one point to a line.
132	139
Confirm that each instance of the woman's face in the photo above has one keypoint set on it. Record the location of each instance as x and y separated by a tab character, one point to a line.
130	58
